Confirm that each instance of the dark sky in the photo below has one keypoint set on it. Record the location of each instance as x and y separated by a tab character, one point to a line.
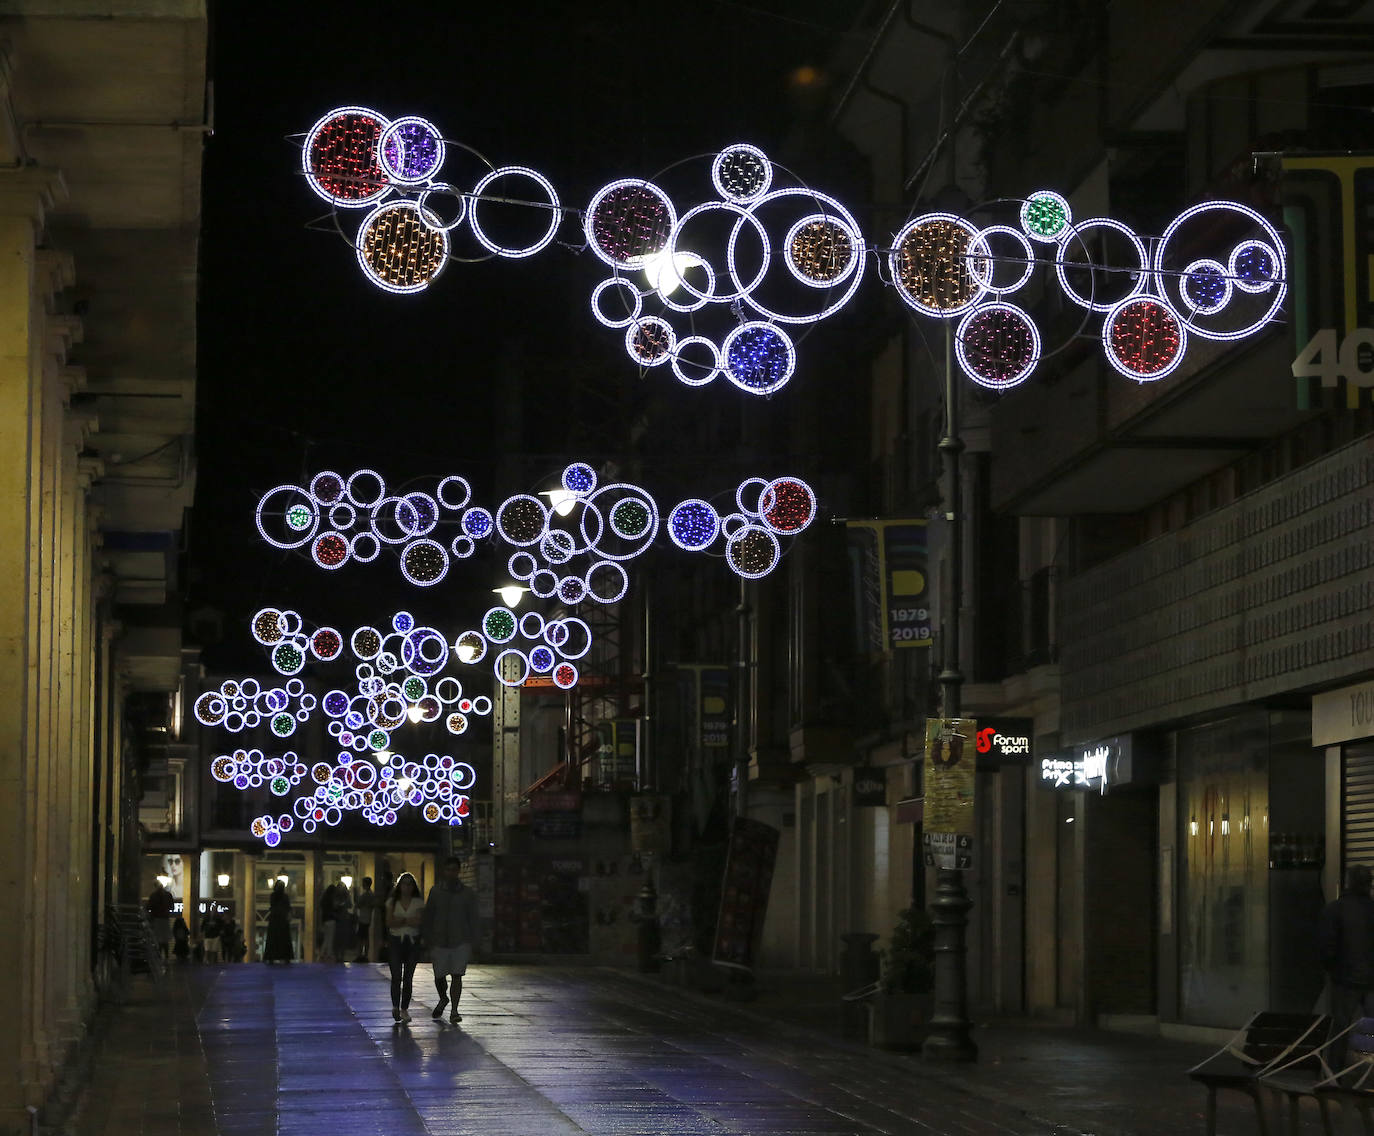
304	365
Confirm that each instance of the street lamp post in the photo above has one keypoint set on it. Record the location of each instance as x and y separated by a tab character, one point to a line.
949	1038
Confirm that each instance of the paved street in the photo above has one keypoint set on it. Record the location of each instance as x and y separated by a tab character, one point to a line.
312	1050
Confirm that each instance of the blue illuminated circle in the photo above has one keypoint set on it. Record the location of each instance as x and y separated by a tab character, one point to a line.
579	478
1255	266
693	525
1206	286
336	703
758	358
541	660
402	621
477	523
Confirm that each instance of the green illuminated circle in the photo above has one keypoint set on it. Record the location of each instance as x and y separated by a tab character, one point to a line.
499	625
283	724
1045	215
298	517
287	658
414	689
378	739
630	518
280	785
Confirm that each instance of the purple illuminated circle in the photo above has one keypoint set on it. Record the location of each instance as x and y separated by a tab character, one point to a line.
629	222
998	345
410	150
336	703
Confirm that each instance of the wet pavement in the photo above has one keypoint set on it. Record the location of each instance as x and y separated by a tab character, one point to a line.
253	1050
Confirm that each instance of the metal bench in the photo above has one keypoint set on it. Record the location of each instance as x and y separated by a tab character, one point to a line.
1354	1084
1268	1041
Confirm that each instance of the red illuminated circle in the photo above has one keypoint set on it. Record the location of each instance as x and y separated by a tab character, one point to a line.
1144	339
341	157
330	550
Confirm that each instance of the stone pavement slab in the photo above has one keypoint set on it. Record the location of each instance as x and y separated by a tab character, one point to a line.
246	1050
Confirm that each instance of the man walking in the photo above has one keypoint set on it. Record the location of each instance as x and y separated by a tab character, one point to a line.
1345	938
449	926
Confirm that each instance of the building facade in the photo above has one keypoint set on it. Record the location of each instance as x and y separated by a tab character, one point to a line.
1167	576
102	120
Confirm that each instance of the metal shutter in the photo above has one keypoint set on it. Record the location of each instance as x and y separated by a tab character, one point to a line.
1357	806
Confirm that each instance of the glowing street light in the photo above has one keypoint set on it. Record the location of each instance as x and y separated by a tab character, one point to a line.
510	596
664	270
222	879
561	501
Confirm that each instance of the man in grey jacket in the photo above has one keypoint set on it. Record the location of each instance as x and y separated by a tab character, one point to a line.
449	926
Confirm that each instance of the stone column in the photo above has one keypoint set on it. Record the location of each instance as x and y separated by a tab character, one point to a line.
24	1070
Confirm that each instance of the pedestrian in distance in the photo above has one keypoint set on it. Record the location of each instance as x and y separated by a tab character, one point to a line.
181	939
1345	940
364	909
211	927
345	931
328	924
449	928
160	907
277	947
404	914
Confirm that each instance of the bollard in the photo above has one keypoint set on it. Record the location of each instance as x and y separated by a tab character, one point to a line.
860	966
646	916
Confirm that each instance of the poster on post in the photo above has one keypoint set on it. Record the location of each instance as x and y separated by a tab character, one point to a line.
950	765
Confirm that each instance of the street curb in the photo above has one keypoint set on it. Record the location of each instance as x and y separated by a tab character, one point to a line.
973	1088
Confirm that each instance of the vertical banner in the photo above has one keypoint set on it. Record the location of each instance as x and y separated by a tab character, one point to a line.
950	765
888	570
715	708
744	892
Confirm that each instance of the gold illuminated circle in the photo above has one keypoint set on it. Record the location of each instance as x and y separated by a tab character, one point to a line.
930	265
820	251
398	250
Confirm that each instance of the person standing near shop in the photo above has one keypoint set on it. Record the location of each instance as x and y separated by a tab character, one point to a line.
449	927
277	945
404	913
1345	940
161	904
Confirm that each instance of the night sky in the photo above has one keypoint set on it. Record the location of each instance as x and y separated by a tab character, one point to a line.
304	365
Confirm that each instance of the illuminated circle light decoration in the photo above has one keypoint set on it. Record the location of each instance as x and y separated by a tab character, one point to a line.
555	211
521	520
1206	286
1045	216
340	157
758	358
1074	248
997	346
753	552
400	251
628	222
650	341
424	562
821	251
787	505
942	266
1144	338
410	150
579	478
930	264
693	525
741	173
330	550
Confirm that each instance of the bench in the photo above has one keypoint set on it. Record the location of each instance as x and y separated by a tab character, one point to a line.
1354	1084
1267	1041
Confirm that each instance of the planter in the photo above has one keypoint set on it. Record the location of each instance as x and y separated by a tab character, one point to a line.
899	1021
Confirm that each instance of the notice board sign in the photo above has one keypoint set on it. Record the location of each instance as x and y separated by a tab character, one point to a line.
744	891
950	766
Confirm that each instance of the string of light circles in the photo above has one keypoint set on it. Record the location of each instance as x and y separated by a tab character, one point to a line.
770	235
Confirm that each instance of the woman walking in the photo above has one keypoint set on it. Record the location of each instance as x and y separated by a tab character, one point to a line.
277	948
403	914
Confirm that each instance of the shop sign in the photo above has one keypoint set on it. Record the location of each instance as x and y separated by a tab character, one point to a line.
1100	765
949	782
1343	715
1003	741
870	787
